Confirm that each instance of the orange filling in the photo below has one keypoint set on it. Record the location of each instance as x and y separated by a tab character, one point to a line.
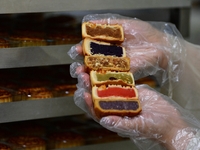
116	91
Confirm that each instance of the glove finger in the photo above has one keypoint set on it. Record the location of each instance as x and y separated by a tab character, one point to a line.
75	52
84	81
79	99
146	60
125	126
76	68
89	102
133	125
83	100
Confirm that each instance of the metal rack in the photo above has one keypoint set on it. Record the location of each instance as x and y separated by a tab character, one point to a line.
38	109
23	6
34	56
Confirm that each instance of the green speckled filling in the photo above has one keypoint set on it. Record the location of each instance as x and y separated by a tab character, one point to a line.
115	76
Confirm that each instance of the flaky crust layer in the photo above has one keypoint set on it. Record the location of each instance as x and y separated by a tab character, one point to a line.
103	32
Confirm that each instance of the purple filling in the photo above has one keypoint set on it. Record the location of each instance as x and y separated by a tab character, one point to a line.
119	105
106	49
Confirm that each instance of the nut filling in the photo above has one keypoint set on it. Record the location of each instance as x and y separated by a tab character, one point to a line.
106	49
119	105
108	31
113	63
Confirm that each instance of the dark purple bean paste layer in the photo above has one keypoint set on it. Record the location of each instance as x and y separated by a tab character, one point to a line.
106	49
119	105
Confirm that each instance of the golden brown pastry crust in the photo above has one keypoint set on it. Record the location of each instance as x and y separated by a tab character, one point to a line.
27	142
34	93
4	43
110	105
65	140
5	96
103	32
4	147
64	90
101	112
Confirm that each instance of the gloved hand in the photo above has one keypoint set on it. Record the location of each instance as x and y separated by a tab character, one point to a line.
154	49
162	121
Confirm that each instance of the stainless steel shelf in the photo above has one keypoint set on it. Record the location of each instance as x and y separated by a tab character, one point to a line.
38	109
23	6
34	56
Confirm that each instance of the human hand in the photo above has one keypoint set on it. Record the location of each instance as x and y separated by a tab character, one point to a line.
162	120
153	48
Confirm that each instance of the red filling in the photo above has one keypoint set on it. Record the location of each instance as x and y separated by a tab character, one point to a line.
116	91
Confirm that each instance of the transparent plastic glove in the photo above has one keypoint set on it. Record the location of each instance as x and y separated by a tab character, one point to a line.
161	120
161	124
152	50
157	48
153	47
186	92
